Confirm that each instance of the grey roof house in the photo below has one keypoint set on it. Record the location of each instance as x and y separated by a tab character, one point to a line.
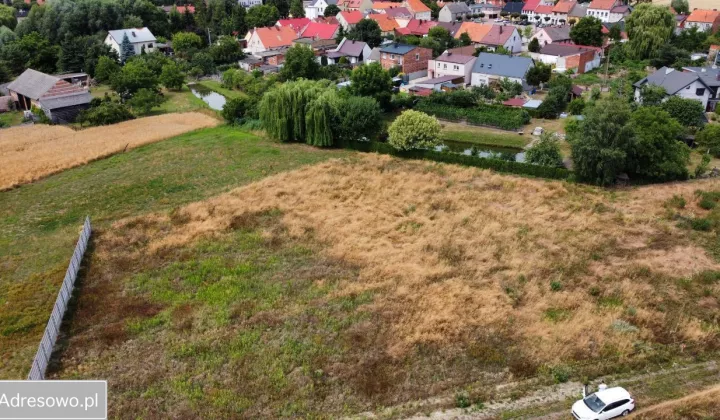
453	11
489	68
696	83
355	52
58	98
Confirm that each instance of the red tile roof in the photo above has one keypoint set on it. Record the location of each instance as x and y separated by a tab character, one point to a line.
514	102
352	17
498	35
703	16
296	23
544	9
564	6
476	31
319	30
417	27
602	4
385	22
417	6
274	36
530	5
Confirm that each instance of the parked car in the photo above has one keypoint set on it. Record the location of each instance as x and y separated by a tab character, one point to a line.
605	404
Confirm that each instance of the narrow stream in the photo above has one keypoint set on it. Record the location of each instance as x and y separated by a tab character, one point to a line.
504	153
215	100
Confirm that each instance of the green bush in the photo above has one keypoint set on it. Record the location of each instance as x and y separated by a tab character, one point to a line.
107	112
701	224
555	286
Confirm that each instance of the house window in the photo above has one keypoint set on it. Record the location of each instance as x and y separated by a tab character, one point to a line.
384	55
456	68
700	92
392	56
417	57
438	65
444	66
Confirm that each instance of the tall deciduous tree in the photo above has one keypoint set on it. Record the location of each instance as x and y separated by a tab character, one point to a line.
601	145
680	6
331	10
709	139
688	112
588	31
171	76
300	62
373	81
261	16
7	16
366	30
657	153
296	9
649	27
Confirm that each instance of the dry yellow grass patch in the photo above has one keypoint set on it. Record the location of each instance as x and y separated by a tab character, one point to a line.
700	405
453	251
30	153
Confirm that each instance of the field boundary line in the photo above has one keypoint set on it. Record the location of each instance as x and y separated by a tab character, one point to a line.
42	357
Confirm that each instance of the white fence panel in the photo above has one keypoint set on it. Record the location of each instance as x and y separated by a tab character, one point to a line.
42	357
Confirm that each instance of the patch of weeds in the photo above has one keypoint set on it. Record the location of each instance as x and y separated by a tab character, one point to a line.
409	209
601	208
555	286
409	226
594	291
622	326
707	203
451	252
611	301
707	277
561	373
701	224
556	314
684	283
462	400
676	202
522	232
631	311
138	325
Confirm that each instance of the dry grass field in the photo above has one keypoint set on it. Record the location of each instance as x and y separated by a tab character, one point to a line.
31	153
369	281
703	405
694	4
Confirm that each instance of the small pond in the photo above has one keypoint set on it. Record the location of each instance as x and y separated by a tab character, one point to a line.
503	153
215	100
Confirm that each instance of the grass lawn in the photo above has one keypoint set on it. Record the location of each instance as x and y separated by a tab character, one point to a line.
218	87
8	119
100	90
40	221
175	101
482	136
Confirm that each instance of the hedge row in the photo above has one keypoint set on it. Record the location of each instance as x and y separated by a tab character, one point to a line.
490	115
519	168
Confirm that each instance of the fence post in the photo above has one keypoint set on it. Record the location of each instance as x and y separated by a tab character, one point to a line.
52	329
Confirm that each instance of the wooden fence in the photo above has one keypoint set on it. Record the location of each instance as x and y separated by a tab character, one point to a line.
42	357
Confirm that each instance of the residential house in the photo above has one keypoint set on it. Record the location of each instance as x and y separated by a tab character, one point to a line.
685	84
181	9
453	11
513	7
498	36
602	9
295	23
490	11
374	56
491	68
59	97
711	76
272	38
561	11
386	23
704	20
354	5
249	3
578	12
401	15
540	11
449	64
355	52
412	60
140	38
348	19
332	20
316	8
619	13
319	46
416	27
316	30
418	9
437	84
274	57
466	50
476	31
570	58
550	34
379	6
451	27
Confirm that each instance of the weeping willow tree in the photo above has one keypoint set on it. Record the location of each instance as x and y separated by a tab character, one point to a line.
649	27
319	116
289	112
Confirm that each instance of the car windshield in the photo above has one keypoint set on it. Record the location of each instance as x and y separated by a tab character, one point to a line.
594	403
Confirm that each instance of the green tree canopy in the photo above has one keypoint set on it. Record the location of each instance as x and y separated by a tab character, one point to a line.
680	6
235	109
134	75
602	142
185	42
366	30
538	74
534	45
127	50
171	76
226	50
297	10
649	27
300	62
371	80
708	139
357	117
545	152
652	95
331	10
588	31
688	112
106	68
657	153
7	16
144	100
414	130
261	16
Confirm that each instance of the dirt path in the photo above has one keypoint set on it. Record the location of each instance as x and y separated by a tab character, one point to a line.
554	401
673	403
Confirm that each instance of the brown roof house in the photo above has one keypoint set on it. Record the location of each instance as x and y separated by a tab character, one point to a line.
413	60
56	96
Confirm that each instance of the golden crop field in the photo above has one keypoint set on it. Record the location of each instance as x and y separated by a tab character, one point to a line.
31	153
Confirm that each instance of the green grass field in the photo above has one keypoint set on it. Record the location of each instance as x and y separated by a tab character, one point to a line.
482	136
175	101
8	119
218	87
40	221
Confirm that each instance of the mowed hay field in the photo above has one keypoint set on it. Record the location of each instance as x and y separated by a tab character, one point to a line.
694	4
30	153
370	281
